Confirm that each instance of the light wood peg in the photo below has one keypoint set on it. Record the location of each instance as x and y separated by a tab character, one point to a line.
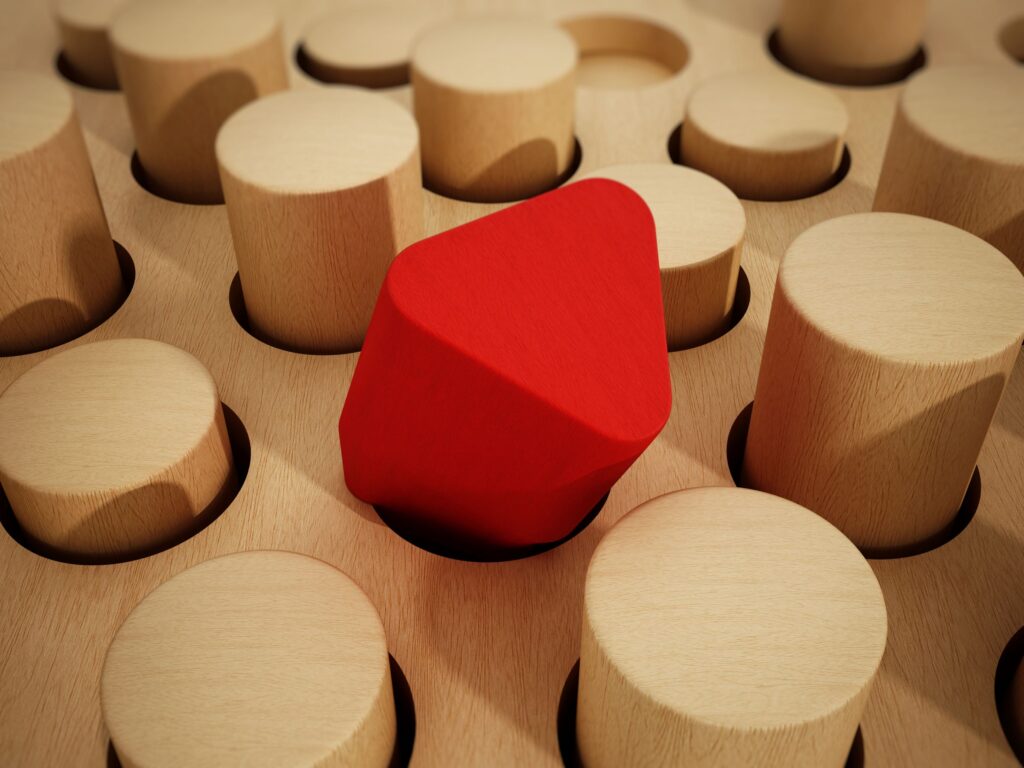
84	27
365	45
889	343
494	98
956	153
185	66
59	274
767	135
255	658
700	225
110	449
323	190
714	635
852	42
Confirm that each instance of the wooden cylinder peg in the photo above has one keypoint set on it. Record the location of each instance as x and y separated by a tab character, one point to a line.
852	42
185	66
700	225
956	153
255	658
726	627
889	343
59	274
84	27
767	135
494	98
323	190
368	45
112	449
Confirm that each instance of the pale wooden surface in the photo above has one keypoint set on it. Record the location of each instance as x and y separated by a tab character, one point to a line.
114	447
185	66
59	274
699	224
890	340
487	647
493	99
726	627
85	39
858	42
368	45
767	135
255	659
956	153
323	189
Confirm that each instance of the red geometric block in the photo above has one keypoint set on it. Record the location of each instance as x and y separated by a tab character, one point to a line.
514	368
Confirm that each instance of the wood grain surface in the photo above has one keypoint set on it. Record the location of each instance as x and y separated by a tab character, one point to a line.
487	648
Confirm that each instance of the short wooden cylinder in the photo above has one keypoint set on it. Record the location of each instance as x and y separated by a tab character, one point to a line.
111	449
956	153
713	636
84	27
700	225
323	190
767	135
366	45
890	340
255	658
494	99
852	42
59	274
185	66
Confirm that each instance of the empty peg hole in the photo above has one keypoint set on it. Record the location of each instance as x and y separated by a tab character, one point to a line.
144	180
541	147
427	536
852	77
623	52
1010	707
568	747
736	445
405	717
127	268
1011	38
241	452
840	173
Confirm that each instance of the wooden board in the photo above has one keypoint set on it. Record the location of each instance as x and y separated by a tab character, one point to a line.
487	647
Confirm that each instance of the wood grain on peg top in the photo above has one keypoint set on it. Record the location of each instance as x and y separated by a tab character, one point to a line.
890	340
368	45
852	42
956	153
766	134
726	627
700	225
323	189
534	370
59	274
112	448
494	99
84	27
185	66
252	659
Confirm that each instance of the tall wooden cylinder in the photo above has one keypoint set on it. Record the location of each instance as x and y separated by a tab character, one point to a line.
59	274
494	99
185	66
852	42
956	153
323	190
725	627
84	27
890	341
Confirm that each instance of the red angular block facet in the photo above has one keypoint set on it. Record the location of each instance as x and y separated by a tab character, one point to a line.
514	368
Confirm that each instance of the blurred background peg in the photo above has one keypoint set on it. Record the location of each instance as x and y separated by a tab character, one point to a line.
84	27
